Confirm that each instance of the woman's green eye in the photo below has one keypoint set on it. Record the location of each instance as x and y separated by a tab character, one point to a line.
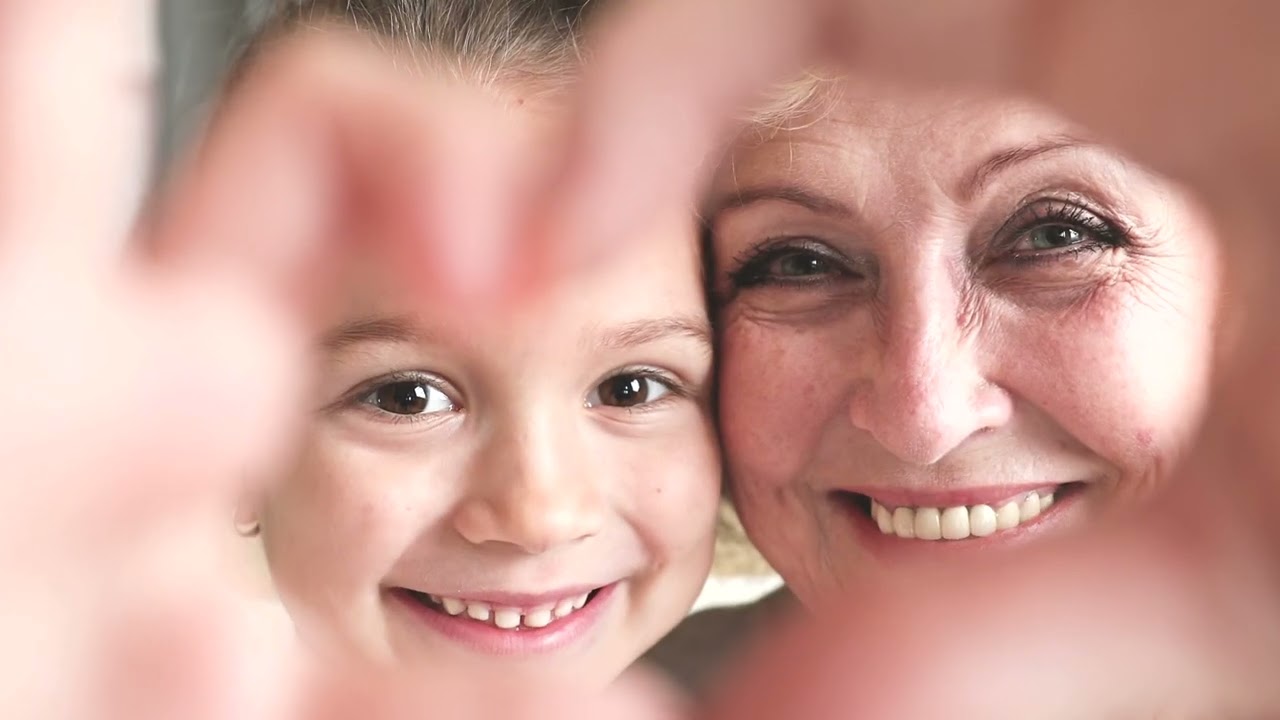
1052	237
801	264
792	262
409	397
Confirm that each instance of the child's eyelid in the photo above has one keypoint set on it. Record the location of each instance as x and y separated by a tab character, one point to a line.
678	386
674	385
670	379
356	394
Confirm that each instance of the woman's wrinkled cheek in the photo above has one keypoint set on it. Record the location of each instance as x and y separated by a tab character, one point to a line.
1122	371
781	384
761	398
773	407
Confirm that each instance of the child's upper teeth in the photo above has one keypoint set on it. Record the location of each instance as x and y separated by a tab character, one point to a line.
453	606
507	618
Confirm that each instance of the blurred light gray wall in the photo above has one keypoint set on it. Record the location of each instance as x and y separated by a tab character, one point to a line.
197	39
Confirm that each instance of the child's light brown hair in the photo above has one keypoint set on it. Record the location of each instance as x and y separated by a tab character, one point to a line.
535	44
530	43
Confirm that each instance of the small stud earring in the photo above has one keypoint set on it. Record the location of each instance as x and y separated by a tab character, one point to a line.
247	524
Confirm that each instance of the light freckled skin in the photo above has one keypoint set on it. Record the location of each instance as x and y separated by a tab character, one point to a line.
515	476
939	342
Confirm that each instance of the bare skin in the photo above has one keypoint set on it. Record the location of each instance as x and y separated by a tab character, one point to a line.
1204	115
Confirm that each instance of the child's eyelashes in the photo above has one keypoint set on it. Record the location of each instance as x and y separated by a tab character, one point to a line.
636	389
416	396
405	397
409	397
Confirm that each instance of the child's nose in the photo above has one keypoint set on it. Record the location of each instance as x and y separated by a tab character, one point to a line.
534	491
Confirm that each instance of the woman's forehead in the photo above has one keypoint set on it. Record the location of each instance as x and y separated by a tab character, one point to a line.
893	123
869	142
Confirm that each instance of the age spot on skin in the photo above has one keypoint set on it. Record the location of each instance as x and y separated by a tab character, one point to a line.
1145	438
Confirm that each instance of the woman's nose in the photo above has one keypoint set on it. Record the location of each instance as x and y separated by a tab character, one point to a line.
532	490
927	393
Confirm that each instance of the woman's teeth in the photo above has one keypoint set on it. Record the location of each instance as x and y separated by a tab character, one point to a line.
507	618
960	522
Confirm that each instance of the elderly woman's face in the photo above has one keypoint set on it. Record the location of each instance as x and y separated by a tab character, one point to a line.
947	326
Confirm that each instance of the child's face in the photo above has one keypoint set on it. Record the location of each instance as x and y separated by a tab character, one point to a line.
470	482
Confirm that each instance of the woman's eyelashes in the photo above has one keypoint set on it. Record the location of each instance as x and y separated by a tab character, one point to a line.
405	397
1051	230
636	389
1040	232
799	261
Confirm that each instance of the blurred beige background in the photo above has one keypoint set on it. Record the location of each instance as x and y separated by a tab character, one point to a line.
739	575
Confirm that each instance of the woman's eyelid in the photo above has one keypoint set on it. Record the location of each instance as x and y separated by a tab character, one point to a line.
1104	207
1046	211
778	245
753	267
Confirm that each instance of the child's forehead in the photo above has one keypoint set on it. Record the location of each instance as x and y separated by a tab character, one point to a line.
655	276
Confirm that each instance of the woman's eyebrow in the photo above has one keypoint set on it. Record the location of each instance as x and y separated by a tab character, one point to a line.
794	194
388	329
643	332
1013	156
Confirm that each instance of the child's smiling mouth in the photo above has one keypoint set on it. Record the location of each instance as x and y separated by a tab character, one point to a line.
502	624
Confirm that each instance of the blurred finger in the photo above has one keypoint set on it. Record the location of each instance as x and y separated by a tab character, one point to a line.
76	85
1124	626
664	83
1184	87
386	694
171	390
323	139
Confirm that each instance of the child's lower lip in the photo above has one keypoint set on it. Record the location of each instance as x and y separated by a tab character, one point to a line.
490	640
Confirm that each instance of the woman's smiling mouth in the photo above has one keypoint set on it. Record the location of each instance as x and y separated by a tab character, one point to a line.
958	521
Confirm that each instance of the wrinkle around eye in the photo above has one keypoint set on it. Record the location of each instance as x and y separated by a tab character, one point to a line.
793	307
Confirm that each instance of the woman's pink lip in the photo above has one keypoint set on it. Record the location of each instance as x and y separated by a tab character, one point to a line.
487	639
989	495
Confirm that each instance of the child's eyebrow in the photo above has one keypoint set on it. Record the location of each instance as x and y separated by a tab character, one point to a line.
376	329
642	332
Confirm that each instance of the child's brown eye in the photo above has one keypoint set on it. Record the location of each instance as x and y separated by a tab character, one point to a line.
628	390
409	397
